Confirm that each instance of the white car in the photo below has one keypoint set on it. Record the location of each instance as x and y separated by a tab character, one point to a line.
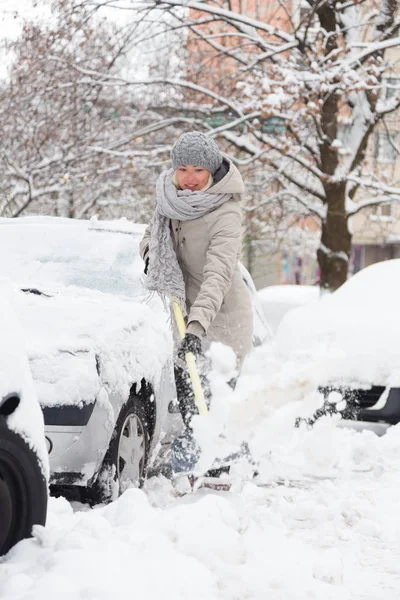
99	349
277	300
24	464
100	356
352	337
262	332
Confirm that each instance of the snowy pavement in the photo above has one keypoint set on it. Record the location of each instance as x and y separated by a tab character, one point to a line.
333	533
332	539
336	539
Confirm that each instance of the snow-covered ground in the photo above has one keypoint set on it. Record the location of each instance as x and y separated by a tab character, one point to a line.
331	532
333	540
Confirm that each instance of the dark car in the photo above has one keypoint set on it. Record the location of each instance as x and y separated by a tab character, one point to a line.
23	456
351	337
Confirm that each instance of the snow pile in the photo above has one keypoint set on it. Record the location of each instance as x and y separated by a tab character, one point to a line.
354	333
275	389
16	378
336	538
269	396
321	523
319	520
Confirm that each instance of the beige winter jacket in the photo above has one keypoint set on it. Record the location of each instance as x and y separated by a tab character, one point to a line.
208	251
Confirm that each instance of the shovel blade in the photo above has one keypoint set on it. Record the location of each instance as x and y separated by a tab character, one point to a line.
185	454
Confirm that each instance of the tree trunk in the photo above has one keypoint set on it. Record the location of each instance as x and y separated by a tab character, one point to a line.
335	248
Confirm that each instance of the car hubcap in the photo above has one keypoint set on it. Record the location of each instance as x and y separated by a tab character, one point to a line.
131	452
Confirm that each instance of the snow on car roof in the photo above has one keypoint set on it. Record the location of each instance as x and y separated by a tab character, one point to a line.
377	283
83	299
118	225
43	252
353	334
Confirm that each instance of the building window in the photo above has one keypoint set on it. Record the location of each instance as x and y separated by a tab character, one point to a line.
344	134
383	212
386	147
271	125
390	87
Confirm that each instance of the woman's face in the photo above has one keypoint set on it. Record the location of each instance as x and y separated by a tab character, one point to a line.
191	178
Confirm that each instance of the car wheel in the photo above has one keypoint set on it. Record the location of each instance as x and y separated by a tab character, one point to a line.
125	462
23	489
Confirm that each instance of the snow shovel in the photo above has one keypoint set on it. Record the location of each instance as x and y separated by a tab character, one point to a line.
199	398
185	451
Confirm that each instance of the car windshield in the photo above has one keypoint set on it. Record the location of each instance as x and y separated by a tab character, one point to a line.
39	256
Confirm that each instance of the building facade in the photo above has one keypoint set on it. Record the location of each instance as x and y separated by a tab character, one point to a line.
376	230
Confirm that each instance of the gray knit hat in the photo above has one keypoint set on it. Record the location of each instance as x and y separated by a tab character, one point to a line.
195	148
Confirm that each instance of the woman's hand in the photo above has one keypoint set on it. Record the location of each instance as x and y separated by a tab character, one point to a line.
190	343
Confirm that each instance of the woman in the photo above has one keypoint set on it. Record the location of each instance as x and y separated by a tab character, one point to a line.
191	247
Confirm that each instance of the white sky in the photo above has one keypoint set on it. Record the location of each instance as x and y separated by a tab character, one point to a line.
12	13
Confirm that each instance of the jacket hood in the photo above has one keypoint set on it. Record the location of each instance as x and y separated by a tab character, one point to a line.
231	182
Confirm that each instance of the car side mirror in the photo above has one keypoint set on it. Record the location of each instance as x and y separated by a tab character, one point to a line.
9	404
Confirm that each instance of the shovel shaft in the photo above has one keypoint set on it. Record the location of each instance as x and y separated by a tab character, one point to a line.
199	399
180	321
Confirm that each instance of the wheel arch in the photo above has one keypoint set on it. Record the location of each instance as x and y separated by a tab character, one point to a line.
144	391
24	488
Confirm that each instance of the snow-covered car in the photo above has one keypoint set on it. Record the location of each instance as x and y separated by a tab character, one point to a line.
24	464
277	300
100	349
353	335
101	357
262	331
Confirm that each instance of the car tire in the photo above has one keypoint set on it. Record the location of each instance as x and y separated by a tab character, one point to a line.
125	462
23	489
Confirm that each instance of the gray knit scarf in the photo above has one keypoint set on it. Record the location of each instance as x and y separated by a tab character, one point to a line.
164	273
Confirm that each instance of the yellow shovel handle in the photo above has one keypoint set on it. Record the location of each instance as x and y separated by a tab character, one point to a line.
199	399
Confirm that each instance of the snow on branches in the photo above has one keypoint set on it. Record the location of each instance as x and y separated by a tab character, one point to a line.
299	87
